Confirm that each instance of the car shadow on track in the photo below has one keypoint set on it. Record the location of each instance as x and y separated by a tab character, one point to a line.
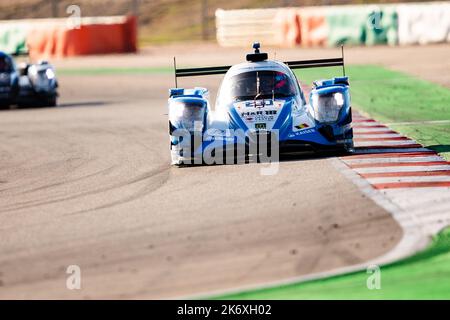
60	105
83	104
287	157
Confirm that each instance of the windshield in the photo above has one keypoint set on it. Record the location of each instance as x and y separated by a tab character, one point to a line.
5	64
260	84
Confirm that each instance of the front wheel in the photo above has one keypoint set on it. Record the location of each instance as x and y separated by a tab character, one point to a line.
51	102
349	147
4	105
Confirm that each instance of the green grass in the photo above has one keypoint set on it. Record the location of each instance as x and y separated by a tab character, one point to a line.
425	275
391	96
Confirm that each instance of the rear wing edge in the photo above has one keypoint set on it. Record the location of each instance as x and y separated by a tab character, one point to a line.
301	64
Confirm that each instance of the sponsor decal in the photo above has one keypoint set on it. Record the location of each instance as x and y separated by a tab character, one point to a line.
251	113
258	113
299	133
258	104
302	126
267	115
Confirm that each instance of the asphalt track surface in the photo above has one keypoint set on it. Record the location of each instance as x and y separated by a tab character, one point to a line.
89	184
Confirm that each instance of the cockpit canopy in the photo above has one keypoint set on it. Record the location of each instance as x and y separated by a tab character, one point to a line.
258	85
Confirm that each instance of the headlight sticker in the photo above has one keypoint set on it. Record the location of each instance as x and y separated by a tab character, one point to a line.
339	99
327	106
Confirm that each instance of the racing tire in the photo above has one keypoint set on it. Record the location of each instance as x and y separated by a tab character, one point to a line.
4	105
349	147
345	151
51	102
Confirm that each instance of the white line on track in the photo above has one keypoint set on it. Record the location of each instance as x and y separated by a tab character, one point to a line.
402	169
383	143
408	179
359	129
393	159
367	124
379	136
374	151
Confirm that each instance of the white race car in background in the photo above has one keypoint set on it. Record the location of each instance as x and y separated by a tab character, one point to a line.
37	85
29	85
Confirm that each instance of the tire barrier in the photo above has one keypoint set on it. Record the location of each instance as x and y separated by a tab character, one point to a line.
313	27
392	24
361	25
239	27
48	38
287	23
381	26
424	23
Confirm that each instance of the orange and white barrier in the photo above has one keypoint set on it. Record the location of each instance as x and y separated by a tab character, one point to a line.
287	25
313	27
48	38
90	37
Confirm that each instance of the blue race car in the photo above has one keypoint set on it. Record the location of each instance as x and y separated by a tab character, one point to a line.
260	110
9	81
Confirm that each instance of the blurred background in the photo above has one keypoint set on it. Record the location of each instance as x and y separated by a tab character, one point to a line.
159	21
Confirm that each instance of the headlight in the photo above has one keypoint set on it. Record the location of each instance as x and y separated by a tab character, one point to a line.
50	74
327	106
32	71
188	113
